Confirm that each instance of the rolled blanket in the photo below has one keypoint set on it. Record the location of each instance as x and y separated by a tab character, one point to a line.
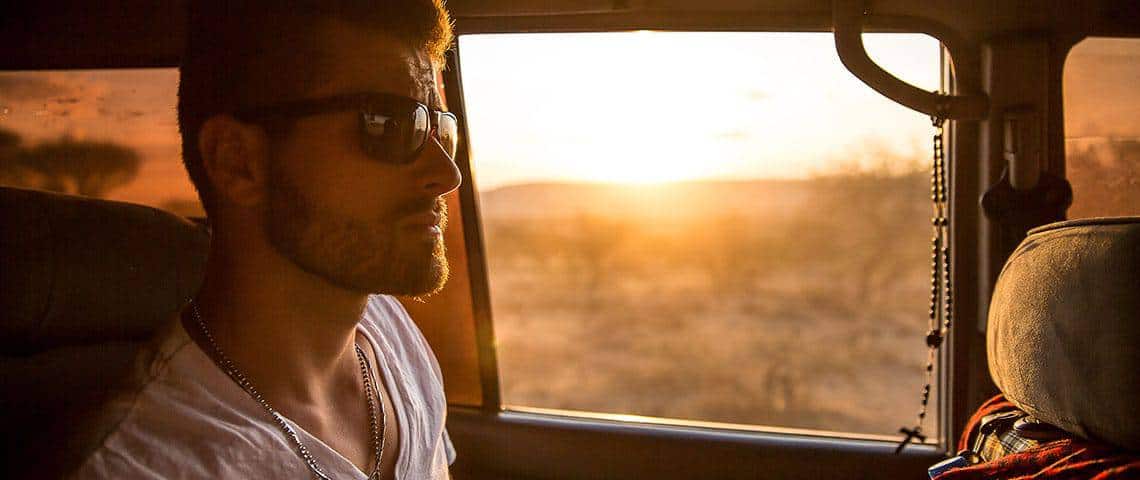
1008	454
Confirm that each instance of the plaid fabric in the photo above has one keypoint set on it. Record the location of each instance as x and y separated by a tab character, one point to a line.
998	437
1009	455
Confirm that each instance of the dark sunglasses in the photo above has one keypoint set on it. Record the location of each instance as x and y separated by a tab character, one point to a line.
393	129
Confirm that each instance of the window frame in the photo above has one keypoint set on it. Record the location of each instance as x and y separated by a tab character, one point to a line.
532	444
1061	56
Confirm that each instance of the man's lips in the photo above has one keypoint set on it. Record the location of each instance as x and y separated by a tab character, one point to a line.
426	225
427	221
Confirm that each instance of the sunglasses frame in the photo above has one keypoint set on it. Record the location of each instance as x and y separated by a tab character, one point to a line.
366	103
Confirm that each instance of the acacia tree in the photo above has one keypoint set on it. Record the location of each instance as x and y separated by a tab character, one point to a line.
67	165
9	157
8	140
877	221
12	169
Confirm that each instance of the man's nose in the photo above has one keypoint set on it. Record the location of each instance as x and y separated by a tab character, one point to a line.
436	170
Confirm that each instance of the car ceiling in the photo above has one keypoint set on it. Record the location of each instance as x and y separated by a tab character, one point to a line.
141	33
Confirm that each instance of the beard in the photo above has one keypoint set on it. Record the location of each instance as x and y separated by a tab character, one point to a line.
365	256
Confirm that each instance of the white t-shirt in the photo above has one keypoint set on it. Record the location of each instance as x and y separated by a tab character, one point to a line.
189	420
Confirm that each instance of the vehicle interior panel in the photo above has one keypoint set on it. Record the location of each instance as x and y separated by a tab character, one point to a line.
1045	315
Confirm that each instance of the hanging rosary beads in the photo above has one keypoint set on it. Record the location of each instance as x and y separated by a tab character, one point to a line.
941	306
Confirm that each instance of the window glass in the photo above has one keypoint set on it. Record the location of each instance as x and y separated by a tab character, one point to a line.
715	227
1102	127
100	133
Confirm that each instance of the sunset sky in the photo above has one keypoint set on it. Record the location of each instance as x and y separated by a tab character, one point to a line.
640	107
661	106
615	107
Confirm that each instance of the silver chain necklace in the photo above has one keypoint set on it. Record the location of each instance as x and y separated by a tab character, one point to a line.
376	427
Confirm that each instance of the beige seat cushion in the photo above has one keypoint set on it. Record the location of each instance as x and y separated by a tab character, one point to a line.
1064	328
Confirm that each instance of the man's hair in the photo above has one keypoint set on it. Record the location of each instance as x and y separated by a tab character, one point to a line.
242	53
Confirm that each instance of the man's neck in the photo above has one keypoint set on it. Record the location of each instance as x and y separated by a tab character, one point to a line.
290	332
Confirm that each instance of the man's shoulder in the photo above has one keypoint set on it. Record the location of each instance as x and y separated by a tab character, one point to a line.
172	415
168	427
157	444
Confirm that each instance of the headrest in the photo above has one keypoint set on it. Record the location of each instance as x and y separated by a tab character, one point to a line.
79	270
1064	328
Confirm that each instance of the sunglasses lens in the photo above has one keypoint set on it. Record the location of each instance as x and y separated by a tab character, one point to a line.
418	131
382	136
448	133
396	138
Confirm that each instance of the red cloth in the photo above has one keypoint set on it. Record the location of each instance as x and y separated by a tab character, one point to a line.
1068	459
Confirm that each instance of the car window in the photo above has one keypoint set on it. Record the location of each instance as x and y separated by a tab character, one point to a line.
100	133
714	227
1102	127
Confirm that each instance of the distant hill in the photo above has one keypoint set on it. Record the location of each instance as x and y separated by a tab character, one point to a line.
750	198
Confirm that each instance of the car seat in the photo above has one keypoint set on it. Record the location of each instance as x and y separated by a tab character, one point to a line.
1063	346
84	283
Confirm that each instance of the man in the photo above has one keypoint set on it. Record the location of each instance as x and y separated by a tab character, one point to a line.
313	133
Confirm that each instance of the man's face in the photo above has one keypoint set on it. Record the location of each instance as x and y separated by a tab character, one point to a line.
359	223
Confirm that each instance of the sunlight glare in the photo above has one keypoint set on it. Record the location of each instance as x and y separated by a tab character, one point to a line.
647	107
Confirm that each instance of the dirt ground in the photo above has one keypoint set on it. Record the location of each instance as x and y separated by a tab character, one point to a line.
808	316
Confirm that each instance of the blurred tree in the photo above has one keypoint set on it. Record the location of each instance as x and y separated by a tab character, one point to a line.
67	165
734	252
1106	178
11	170
595	241
9	155
8	140
876	215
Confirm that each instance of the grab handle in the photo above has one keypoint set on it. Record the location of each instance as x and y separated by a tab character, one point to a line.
847	22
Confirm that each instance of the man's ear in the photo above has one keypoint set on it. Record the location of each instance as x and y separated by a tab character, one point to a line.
234	155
